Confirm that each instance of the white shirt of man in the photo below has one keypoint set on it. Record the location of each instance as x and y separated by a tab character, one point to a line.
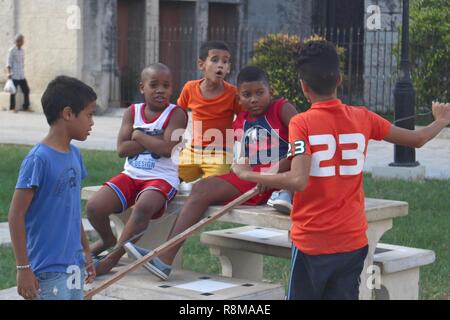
16	63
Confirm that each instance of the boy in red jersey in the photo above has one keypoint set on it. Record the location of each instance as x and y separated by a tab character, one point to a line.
328	145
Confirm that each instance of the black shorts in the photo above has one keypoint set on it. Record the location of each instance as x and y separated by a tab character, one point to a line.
326	277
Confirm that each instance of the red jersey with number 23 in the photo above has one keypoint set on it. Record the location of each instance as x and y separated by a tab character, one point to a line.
329	215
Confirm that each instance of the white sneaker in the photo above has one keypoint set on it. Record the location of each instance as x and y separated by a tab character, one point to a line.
282	202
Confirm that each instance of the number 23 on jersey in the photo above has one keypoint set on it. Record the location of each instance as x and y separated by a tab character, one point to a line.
329	140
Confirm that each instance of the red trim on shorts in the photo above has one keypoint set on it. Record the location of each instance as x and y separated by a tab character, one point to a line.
128	190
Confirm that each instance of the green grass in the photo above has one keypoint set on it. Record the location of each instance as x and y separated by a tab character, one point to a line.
7	269
101	165
426	226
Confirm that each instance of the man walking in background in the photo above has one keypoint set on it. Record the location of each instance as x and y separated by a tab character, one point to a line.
16	71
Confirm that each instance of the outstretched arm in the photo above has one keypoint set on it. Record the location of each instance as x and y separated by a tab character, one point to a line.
126	147
417	138
173	134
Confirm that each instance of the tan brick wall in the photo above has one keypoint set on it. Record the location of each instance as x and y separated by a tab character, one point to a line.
51	48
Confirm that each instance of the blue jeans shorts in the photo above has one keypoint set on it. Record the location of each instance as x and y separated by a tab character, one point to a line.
61	285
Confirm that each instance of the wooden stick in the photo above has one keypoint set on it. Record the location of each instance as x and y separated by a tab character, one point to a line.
171	242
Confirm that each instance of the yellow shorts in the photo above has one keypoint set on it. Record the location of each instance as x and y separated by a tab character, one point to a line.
198	163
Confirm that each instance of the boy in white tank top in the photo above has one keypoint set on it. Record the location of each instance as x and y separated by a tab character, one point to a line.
148	138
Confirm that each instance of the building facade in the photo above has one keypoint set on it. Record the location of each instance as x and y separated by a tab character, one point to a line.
106	43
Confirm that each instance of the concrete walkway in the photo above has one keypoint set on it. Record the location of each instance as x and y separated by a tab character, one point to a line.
5	237
30	128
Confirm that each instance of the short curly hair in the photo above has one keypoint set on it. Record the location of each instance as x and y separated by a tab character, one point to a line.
252	73
318	65
211	45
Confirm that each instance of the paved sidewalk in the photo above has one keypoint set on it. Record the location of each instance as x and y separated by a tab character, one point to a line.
30	128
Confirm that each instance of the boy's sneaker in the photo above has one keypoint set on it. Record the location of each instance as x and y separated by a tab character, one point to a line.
272	197
155	266
281	201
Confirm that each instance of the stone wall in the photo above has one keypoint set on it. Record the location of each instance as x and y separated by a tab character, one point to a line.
99	54
51	47
7	33
70	37
289	16
379	59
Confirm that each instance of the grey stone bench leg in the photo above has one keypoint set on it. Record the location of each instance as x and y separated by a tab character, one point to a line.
402	285
239	264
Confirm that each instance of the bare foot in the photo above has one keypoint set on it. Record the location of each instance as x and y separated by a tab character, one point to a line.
105	265
102	245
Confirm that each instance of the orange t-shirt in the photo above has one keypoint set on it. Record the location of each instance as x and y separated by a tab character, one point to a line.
211	117
329	215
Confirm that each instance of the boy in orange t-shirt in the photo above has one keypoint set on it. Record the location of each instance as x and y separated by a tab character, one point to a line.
213	103
328	145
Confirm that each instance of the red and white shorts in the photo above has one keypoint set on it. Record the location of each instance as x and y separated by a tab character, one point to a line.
128	190
243	186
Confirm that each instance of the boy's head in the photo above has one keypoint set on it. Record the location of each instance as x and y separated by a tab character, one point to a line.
254	90
318	68
156	85
215	60
70	100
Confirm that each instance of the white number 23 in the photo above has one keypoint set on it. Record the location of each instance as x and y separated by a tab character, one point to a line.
325	155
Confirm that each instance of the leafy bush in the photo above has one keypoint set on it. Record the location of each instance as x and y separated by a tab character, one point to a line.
275	53
430	50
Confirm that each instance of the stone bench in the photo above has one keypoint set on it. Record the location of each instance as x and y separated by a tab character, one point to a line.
188	285
379	213
400	271
11	294
181	285
241	251
5	238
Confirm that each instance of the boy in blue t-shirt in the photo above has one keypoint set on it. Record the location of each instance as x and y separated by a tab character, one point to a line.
45	215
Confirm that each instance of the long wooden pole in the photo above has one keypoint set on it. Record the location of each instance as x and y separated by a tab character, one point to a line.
172	242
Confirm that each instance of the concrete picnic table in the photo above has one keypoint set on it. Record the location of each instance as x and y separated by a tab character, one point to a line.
379	212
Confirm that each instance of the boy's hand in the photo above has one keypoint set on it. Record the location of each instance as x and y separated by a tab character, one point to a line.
90	267
241	168
441	111
262	189
135	133
27	284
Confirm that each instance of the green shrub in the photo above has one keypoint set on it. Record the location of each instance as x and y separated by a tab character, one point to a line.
430	50
275	53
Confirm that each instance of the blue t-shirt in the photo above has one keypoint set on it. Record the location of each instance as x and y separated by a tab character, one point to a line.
53	219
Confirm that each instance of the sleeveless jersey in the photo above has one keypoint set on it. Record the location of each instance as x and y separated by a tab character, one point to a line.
264	140
147	165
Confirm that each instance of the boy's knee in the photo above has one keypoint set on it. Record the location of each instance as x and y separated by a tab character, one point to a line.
144	212
202	191
92	209
201	188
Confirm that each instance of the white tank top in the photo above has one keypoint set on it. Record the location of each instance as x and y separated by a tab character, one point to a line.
147	165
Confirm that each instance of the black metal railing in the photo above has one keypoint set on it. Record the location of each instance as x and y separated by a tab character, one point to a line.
370	67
